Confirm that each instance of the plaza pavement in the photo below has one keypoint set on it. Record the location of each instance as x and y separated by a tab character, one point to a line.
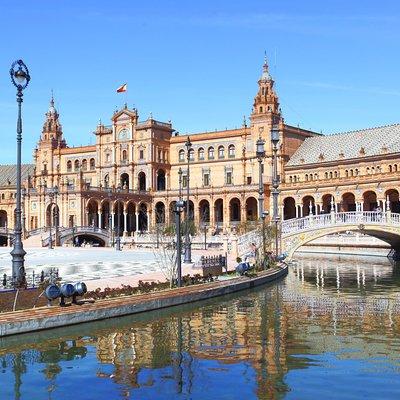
100	267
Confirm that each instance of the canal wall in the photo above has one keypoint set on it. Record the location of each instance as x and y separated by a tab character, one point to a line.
51	317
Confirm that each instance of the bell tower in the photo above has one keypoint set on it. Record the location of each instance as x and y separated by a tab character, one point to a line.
266	102
52	134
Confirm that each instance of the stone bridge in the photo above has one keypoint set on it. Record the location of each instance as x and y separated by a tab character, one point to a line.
297	232
93	233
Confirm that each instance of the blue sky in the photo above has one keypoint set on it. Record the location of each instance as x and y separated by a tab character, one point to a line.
335	63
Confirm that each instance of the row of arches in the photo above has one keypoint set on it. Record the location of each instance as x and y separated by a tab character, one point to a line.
341	203
221	153
117	215
83	165
124	181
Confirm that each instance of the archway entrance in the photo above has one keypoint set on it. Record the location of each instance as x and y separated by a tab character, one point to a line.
392	196
219	212
3	219
143	218
370	202
308	206
125	181
105	215
161	179
289	208
234	210
251	209
348	203
92	213
326	203
142	181
160	213
204	210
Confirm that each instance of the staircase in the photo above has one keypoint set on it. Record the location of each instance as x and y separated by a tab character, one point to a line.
33	241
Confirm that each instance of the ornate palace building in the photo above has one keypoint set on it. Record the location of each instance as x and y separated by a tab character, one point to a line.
132	172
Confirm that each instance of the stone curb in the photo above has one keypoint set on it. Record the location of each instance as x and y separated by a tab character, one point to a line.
13	323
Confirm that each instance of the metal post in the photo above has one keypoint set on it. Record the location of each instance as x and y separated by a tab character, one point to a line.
205	237
180	183
260	189
50	216
20	79
178	244
118	238
275	185
188	247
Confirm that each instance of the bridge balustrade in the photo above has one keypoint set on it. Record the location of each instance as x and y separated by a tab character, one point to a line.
341	218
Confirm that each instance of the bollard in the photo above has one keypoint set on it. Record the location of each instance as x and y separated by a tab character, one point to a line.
4	280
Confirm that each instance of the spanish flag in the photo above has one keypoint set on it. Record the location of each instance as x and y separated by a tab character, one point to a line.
122	88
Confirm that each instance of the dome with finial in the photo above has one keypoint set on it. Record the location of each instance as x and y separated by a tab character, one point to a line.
52	109
265	75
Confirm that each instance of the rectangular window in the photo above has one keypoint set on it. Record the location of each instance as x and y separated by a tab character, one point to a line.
249	180
141	154
229	178
206	179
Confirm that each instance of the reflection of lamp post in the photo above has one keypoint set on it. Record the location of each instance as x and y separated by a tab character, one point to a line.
118	228
260	153
188	249
20	78
179	205
275	183
73	235
263	216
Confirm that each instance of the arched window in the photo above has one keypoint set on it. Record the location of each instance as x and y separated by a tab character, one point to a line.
231	151
76	165
201	153
124	155
326	175
92	164
221	152
346	173
211	153
330	175
181	155
336	175
356	171
261	109
311	177
351	172
191	155
84	165
390	168
69	166
315	177
306	177
290	179
395	167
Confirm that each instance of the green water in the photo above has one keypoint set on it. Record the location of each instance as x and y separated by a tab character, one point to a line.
329	330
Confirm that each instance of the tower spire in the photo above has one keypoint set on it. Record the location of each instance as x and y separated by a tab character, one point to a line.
265	74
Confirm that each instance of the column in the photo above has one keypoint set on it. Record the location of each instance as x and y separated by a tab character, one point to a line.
99	219
212	215
297	210
148	221
125	223
137	221
112	220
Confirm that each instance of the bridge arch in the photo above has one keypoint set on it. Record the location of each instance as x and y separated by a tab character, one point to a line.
298	232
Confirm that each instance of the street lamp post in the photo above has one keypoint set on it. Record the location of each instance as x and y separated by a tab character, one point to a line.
180	183
260	153
188	247
23	193
275	183
180	204
118	227
20	78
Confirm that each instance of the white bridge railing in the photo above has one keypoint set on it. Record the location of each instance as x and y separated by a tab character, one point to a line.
336	219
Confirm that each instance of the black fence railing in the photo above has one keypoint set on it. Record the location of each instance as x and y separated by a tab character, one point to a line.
32	280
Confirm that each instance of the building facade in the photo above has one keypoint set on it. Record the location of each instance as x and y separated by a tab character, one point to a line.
137	169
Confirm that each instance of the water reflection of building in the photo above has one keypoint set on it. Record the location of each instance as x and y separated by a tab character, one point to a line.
244	331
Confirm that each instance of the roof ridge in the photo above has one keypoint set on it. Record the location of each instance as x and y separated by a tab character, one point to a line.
364	129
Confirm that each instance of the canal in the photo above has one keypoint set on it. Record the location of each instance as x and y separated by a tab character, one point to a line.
329	330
